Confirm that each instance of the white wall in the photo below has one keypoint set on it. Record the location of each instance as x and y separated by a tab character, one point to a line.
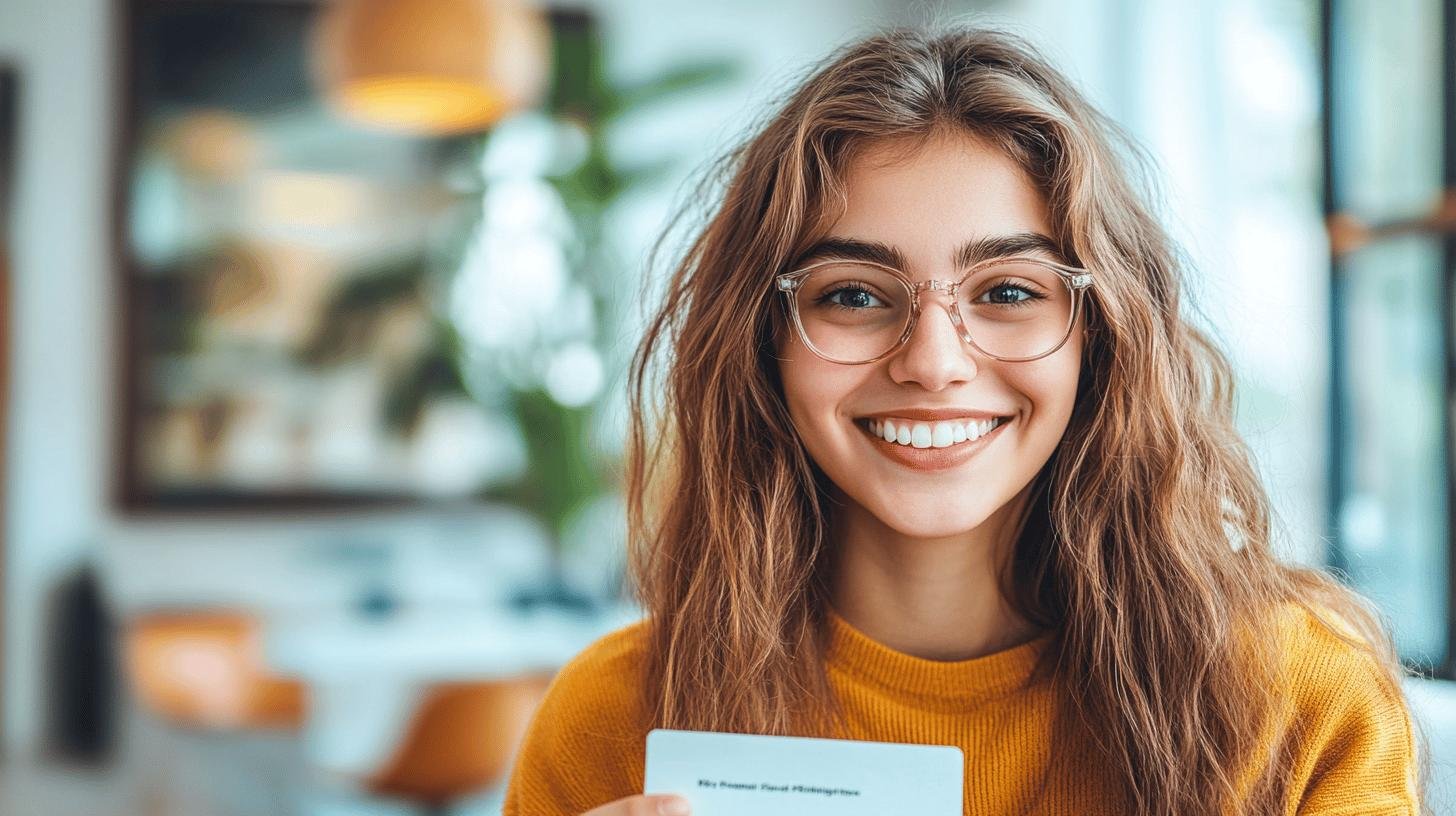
61	326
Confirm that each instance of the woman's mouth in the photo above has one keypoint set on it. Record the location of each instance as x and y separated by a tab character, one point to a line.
939	434
931	446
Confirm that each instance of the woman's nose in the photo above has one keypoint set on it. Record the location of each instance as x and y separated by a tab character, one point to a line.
934	356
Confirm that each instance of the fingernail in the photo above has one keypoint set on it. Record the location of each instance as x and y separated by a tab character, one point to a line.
674	806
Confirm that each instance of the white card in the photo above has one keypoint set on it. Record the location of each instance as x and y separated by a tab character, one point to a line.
737	774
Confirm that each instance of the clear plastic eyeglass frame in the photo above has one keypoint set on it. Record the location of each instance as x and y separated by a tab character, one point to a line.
1078	282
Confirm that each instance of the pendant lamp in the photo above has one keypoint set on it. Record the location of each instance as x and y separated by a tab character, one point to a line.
431	67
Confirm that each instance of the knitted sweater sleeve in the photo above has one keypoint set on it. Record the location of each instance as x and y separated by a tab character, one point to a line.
587	741
1361	755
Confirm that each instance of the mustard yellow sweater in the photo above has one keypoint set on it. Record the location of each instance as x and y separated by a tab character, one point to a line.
1353	743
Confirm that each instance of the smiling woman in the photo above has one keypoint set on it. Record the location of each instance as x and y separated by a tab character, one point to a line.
972	492
958	471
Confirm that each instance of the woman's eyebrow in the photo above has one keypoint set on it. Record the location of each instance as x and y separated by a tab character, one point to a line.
971	252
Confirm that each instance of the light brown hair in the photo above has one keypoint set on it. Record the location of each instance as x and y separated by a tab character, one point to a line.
1147	544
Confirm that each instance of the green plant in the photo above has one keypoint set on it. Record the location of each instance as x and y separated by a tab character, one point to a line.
566	472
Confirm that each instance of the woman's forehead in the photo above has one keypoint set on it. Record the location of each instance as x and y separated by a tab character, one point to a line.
947	200
960	170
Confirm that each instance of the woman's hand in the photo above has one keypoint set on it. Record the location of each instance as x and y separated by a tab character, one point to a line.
656	805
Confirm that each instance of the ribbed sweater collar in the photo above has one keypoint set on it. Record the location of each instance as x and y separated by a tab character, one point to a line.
954	682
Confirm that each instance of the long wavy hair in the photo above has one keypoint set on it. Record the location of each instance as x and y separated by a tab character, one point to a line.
1146	549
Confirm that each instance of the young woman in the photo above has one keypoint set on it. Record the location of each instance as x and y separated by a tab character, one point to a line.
925	451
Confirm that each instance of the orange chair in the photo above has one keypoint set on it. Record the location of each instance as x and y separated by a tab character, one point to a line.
461	741
205	670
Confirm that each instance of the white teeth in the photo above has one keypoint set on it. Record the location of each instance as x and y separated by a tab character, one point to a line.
920	435
931	435
943	434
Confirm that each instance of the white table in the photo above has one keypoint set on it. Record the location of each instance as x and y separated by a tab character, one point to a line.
367	676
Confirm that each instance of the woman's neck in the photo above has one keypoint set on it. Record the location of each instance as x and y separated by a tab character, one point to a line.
938	599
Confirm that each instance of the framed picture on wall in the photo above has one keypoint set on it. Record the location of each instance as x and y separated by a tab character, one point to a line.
323	312
287	272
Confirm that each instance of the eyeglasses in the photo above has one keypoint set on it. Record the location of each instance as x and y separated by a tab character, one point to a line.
1013	309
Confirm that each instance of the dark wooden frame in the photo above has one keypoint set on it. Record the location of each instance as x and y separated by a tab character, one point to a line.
127	495
9	143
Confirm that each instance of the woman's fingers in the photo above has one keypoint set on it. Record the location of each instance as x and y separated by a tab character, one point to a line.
655	805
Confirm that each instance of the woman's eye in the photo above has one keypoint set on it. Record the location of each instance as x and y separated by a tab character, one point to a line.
1009	294
853	297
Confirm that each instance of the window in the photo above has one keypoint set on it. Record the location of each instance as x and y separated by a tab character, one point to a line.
1389	177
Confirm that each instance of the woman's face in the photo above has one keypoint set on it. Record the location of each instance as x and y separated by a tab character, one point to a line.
926	204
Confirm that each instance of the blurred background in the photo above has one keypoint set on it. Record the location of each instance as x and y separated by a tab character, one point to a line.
314	320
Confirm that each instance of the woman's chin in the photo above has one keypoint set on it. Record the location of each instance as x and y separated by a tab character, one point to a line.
930	522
